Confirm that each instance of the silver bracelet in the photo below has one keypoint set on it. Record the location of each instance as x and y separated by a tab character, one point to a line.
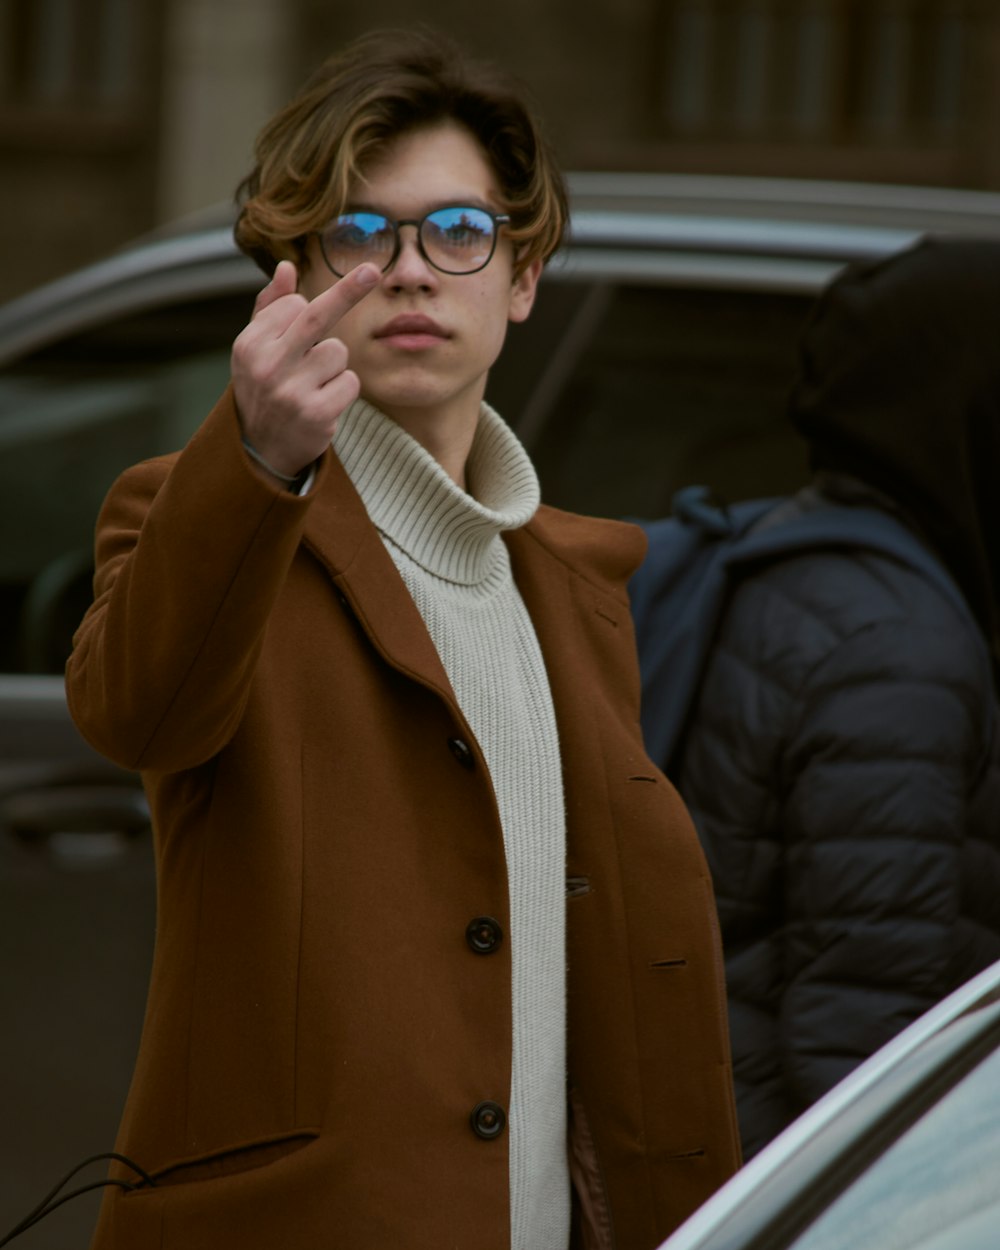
254	454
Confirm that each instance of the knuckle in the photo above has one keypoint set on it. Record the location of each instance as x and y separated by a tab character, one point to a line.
263	373
332	352
240	355
313	322
342	390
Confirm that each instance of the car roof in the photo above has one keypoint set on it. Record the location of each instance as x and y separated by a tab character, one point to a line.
687	230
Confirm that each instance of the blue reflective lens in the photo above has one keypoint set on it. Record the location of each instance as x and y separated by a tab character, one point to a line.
357	237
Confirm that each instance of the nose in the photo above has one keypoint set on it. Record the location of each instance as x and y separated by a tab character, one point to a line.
411	270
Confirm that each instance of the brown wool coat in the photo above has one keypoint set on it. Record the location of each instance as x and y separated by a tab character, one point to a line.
318	1029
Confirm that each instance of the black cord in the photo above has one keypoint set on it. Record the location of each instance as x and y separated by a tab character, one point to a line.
31	1220
50	1202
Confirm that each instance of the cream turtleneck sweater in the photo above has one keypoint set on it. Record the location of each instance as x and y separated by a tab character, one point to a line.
448	549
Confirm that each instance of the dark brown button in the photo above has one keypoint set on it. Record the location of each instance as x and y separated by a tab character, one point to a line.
484	935
462	752
488	1120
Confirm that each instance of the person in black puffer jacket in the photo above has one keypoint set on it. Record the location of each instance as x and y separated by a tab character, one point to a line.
842	761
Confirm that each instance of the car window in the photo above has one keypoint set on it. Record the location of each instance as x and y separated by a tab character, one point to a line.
72	417
935	1187
639	389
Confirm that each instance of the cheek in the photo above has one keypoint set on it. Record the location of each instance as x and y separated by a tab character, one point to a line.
490	314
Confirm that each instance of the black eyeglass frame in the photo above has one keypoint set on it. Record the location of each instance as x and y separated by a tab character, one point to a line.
498	220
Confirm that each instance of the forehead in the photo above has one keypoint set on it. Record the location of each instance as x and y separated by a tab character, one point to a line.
425	168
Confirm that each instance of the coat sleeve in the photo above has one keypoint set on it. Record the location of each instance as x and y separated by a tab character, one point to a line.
191	552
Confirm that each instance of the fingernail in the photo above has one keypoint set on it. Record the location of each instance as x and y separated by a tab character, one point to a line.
367	275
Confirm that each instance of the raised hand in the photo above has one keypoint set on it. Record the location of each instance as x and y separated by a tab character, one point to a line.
290	379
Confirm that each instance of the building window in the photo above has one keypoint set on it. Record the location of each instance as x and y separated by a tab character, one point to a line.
74	56
808	71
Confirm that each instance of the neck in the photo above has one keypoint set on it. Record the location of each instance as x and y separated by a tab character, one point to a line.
446	434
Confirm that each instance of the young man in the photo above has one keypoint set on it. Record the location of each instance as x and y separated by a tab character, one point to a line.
385	707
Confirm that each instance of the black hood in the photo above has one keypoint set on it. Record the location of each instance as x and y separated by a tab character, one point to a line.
899	386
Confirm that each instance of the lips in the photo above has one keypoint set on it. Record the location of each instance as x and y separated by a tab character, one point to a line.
412	328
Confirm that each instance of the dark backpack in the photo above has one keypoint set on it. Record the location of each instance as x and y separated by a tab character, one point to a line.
679	592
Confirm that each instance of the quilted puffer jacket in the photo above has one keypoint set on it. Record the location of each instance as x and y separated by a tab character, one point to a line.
840	774
842	764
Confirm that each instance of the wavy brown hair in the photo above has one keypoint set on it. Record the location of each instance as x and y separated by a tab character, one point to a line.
381	86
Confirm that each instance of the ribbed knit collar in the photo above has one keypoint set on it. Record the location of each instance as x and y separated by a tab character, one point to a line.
415	504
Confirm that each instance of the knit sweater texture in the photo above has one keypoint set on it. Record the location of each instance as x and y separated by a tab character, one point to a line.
447	545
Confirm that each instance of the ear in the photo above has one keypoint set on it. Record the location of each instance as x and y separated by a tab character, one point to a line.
522	295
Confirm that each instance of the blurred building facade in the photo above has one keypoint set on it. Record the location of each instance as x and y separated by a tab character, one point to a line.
119	115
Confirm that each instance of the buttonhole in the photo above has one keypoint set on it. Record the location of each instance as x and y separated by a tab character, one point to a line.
604	617
664	965
652	780
689	1154
575	886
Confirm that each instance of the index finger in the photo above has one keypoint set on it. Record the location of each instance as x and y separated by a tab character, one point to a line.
321	314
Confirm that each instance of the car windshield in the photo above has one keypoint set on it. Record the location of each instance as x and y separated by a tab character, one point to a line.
936	1187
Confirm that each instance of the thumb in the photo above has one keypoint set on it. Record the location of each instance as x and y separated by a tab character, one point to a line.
285	281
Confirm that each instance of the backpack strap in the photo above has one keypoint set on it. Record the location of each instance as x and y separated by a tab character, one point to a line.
678	595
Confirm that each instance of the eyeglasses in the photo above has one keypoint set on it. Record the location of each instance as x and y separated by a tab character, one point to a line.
455	240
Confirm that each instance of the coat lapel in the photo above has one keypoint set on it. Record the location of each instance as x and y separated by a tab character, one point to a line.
580	624
564	609
340	534
546	586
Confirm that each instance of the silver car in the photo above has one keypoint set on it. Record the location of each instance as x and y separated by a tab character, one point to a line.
658	354
904	1154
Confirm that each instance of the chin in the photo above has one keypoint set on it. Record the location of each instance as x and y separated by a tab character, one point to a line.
415	392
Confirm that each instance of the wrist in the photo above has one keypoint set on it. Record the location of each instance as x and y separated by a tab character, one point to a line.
291	482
